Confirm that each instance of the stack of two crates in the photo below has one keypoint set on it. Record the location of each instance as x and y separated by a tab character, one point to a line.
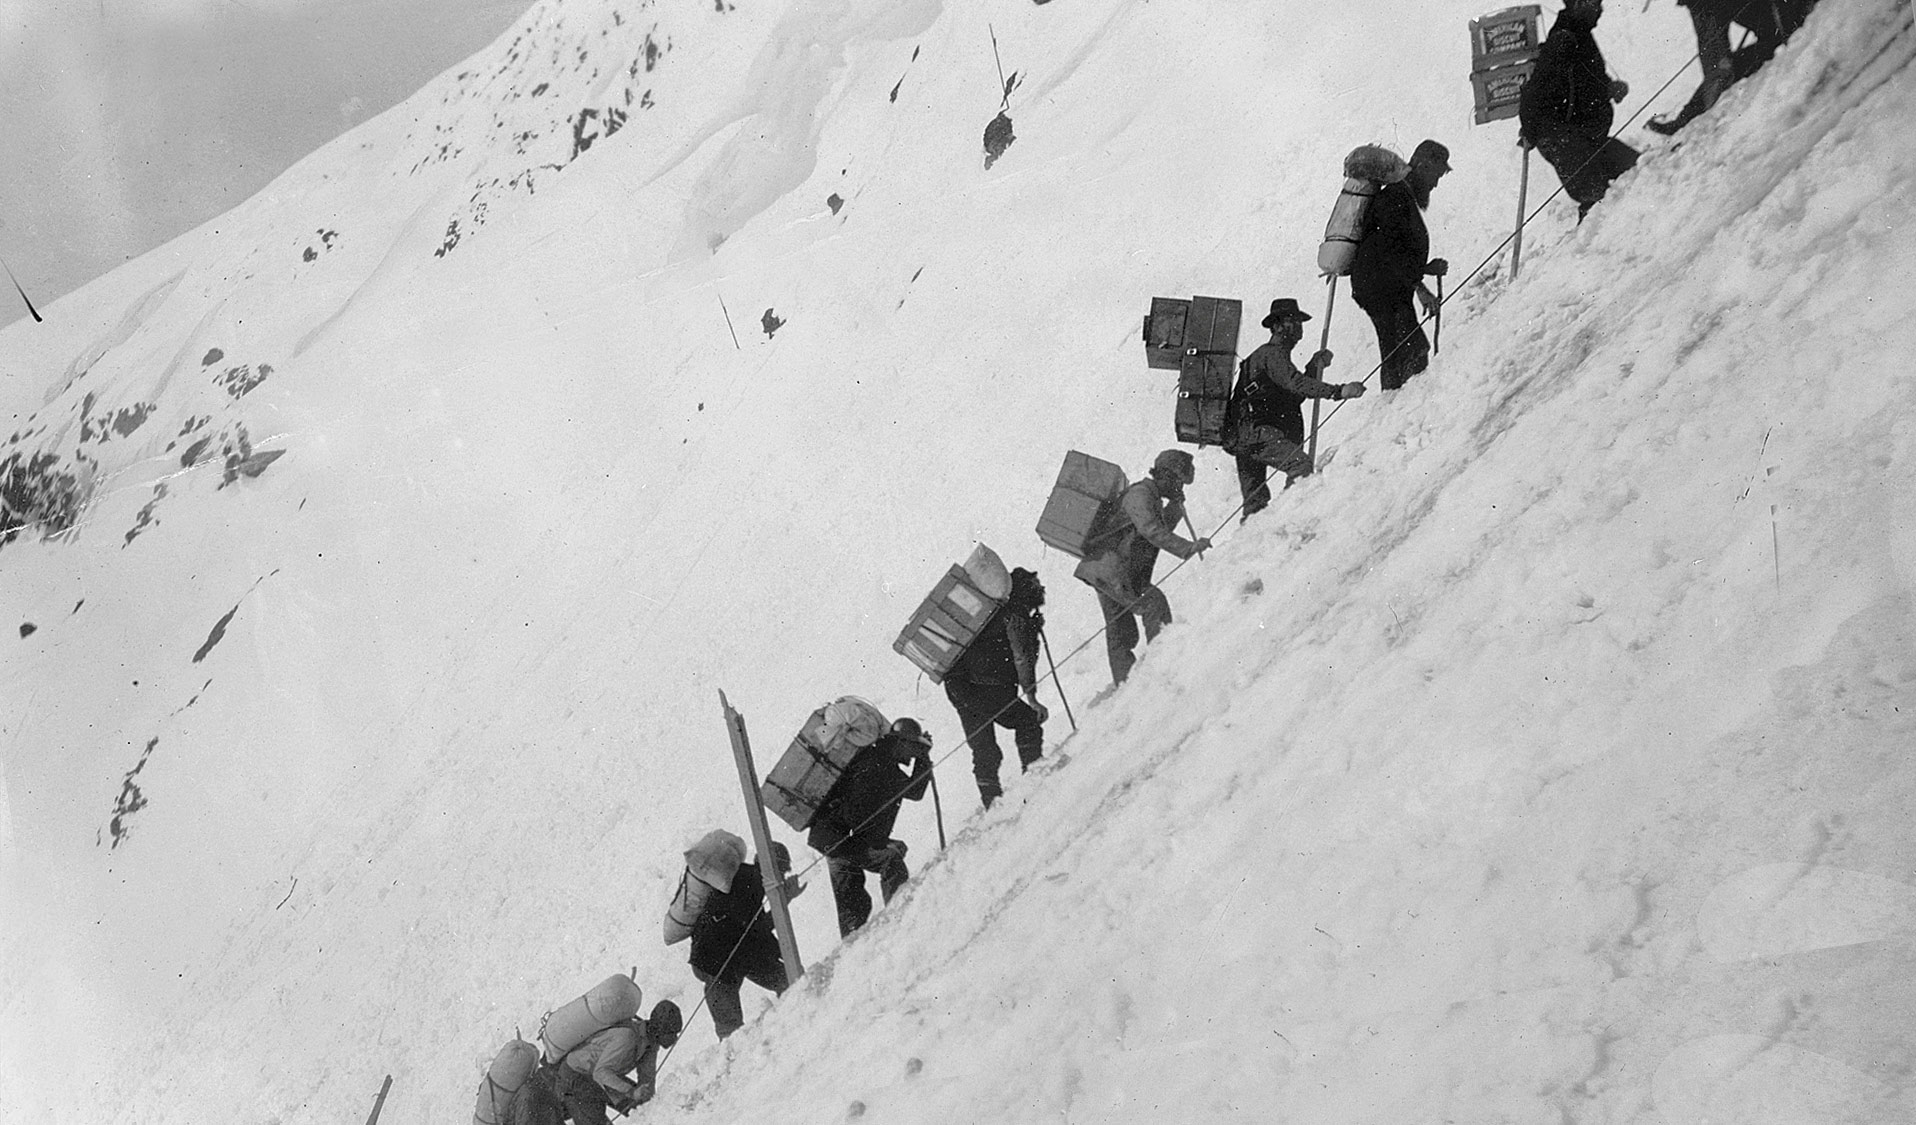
1197	339
1504	47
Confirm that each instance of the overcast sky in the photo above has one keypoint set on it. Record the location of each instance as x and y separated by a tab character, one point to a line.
127	122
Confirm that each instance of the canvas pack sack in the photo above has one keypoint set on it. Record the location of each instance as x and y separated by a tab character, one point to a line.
510	1068
816	759
955	612
710	865
613	1000
1366	168
1080	515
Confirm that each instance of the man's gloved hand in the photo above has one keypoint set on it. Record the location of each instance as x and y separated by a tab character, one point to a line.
1351	390
1202	545
1031	700
642	1094
1437	267
1619	90
1525	143
622	1104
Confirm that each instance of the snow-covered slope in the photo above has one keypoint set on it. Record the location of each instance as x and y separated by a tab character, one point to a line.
1542	759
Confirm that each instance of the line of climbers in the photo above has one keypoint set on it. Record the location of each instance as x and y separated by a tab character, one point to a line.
980	632
1567	103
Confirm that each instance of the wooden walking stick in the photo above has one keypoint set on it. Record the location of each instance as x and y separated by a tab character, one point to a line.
1056	682
1330	306
1437	319
1192	528
938	809
1523	196
379	1102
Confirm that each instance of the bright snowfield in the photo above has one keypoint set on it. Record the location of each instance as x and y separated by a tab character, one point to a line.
1544	759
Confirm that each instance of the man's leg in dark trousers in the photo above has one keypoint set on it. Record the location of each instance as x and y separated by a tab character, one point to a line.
977	705
1401	342
757	959
1120	636
584	1100
1614	158
722	1000
1266	447
1154	609
892	875
849	895
1250	481
1027	731
1586	165
762	963
1713	53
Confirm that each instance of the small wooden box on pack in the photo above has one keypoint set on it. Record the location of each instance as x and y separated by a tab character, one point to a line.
1164	332
956	611
1503	51
1087	491
804	775
1210	363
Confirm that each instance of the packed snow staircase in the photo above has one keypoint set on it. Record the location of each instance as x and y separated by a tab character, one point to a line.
1545	758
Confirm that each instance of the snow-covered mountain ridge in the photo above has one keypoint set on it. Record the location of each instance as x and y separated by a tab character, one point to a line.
1542	759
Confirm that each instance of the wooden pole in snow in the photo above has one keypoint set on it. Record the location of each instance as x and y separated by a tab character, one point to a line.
1188	526
1330	305
937	809
1523	202
762	836
1056	682
37	318
379	1102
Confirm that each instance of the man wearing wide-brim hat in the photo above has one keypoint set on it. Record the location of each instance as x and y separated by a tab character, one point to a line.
1264	423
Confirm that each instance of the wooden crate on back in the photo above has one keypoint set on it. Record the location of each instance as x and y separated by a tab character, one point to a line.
804	775
955	612
1077	515
1201	336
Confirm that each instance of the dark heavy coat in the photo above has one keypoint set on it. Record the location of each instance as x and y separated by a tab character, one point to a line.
1569	91
1394	250
1004	652
858	814
1271	391
728	918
